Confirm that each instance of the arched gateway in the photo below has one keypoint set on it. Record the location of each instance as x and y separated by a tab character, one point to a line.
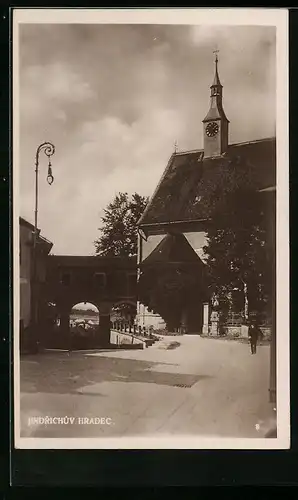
103	281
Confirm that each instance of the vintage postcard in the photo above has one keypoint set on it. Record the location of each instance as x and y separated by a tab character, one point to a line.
151	228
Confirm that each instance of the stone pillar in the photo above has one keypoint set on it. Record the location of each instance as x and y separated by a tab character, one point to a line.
244	331
104	324
214	322
64	329
205	329
184	322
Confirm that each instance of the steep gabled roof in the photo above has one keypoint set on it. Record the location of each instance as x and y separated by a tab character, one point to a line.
44	245
173	248
29	225
190	181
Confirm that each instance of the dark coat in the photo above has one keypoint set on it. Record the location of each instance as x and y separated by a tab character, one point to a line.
254	333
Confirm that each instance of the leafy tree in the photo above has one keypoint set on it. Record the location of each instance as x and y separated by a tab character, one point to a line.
124	312
239	256
84	312
119	230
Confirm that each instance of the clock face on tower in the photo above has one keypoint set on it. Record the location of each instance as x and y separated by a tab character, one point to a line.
212	129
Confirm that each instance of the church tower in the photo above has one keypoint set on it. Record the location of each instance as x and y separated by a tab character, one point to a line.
216	124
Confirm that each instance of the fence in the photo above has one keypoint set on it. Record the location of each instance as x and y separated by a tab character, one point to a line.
234	325
123	327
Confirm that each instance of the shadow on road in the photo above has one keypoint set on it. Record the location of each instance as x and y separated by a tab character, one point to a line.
66	374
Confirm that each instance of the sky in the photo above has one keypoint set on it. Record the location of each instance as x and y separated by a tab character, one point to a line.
113	99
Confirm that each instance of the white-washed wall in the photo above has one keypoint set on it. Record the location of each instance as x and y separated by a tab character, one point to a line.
146	318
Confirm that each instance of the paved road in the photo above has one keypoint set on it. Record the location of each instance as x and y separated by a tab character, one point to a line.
204	386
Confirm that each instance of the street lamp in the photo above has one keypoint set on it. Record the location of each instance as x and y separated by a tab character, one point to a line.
49	149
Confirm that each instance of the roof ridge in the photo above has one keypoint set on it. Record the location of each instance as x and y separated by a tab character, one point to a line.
272	138
94	256
189	151
201	150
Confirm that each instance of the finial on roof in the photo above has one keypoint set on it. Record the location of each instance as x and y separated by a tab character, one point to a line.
216	58
175	147
216	80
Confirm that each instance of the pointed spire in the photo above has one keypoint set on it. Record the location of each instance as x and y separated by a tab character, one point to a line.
216	81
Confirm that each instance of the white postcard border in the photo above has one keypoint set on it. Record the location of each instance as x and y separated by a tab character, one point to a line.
212	17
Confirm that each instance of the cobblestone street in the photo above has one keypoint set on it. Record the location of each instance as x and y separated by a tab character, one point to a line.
202	387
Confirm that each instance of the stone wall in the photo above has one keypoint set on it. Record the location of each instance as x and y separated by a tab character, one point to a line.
119	338
241	331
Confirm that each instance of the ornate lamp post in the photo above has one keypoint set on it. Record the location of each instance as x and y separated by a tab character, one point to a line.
49	149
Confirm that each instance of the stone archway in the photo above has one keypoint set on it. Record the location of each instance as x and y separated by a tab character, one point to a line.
102	281
64	312
84	324
65	338
87	311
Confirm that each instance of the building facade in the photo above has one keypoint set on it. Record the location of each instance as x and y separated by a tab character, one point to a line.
177	215
26	274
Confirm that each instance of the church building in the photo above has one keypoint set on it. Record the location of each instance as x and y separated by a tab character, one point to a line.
172	229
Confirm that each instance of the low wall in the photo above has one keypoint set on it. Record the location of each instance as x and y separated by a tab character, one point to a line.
241	331
119	338
56	340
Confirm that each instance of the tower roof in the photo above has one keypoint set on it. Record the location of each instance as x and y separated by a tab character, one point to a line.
216	111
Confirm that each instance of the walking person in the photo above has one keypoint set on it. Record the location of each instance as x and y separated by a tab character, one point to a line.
254	334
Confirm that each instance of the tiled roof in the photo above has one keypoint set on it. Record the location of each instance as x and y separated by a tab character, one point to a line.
190	182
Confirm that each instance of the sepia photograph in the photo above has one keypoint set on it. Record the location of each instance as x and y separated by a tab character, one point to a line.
150	226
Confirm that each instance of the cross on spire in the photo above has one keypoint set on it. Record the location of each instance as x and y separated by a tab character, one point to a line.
216	81
216	52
